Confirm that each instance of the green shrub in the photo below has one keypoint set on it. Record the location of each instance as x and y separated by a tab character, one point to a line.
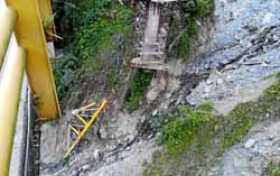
177	134
185	41
89	28
139	84
272	169
204	8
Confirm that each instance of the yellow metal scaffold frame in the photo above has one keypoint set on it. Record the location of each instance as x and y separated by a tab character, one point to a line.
87	125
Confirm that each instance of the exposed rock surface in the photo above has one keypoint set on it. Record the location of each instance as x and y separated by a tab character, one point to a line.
242	51
252	156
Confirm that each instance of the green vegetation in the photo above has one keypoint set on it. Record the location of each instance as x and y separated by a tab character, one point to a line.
92	32
239	121
113	79
139	84
202	9
185	41
177	134
195	135
272	169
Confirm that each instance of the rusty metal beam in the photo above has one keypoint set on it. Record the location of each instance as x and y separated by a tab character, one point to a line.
10	89
31	36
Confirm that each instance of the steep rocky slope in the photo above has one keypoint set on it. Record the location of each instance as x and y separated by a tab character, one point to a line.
233	57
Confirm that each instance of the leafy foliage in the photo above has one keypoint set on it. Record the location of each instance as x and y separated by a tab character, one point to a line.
177	134
89	28
185	41
65	73
139	84
272	169
203	8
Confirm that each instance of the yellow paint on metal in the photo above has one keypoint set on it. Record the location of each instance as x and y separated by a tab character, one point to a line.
74	130
81	119
30	34
45	8
8	21
93	119
10	89
84	108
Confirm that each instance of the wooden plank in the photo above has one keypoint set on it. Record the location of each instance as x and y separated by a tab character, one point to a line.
151	64
30	34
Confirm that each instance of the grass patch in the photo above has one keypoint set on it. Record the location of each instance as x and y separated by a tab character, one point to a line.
272	169
139	84
197	136
177	134
236	125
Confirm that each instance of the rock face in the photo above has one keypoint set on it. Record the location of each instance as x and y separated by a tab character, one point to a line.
251	157
242	51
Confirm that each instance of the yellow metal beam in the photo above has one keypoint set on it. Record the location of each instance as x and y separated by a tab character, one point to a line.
30	34
10	89
84	108
74	130
45	8
8	21
81	119
94	117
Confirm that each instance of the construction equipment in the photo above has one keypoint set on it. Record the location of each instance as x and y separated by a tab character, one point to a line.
95	110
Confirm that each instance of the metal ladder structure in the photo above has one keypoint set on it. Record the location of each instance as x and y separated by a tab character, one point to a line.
23	50
95	111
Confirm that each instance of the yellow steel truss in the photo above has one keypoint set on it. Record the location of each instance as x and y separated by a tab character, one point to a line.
87	125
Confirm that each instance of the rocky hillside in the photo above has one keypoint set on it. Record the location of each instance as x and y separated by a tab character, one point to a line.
215	112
